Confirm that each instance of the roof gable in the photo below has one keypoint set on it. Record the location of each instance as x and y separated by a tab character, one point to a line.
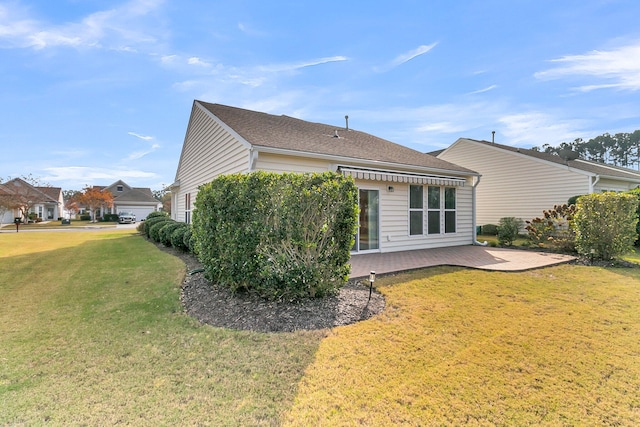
53	192
19	186
262	130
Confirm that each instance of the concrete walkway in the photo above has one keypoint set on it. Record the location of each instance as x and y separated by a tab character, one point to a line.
480	257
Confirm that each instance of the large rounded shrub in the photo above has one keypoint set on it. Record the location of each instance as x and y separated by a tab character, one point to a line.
154	229
165	232
279	235
157	214
177	236
150	222
189	240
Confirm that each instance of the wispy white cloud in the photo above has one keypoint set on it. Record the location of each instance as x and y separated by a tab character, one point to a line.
168	59
141	153
143	137
486	89
115	29
537	128
194	60
78	176
406	57
435	126
275	68
620	67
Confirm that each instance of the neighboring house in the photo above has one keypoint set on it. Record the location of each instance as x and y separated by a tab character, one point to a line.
139	201
6	213
408	200
45	202
521	183
54	208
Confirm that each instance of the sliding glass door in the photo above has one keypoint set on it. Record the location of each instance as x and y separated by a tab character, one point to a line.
368	237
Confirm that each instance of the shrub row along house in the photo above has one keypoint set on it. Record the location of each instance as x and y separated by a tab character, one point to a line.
521	183
407	199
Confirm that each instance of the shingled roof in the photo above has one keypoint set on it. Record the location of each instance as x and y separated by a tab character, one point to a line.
584	165
288	133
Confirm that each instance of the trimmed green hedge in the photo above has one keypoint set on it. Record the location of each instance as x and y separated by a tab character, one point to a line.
150	222
154	229
279	235
164	236
177	236
157	214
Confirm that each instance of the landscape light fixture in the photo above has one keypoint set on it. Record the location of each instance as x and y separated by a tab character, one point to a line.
372	278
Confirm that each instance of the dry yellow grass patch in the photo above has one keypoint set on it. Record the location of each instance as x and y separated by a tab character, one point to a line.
558	346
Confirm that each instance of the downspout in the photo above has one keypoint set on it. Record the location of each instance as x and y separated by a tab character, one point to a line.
253	159
592	183
473	214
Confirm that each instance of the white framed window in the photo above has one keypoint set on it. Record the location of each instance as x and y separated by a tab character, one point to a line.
440	206
416	210
450	210
187	208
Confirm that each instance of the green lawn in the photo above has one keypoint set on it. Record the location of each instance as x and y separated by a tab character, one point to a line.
46	225
92	332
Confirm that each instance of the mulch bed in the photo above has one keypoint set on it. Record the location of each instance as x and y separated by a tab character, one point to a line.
217	306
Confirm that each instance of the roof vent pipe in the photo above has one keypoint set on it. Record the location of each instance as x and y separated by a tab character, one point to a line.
493	136
346	118
335	134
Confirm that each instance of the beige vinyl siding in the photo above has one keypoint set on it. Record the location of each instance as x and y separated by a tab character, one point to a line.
208	151
394	219
605	184
269	162
513	184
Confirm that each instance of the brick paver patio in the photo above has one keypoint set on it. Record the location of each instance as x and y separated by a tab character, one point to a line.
481	257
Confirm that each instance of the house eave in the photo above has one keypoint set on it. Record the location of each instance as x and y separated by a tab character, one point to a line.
364	162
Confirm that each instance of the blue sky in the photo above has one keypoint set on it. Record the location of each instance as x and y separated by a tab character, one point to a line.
93	91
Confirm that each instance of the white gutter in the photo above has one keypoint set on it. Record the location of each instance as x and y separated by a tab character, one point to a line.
473	214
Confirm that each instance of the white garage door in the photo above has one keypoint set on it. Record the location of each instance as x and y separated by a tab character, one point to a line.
141	212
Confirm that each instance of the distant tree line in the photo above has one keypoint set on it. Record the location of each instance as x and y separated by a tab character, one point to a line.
621	149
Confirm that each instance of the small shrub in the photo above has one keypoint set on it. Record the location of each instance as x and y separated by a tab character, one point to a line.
605	225
493	244
154	229
140	227
85	217
177	236
110	218
508	229
189	240
490	229
165	232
